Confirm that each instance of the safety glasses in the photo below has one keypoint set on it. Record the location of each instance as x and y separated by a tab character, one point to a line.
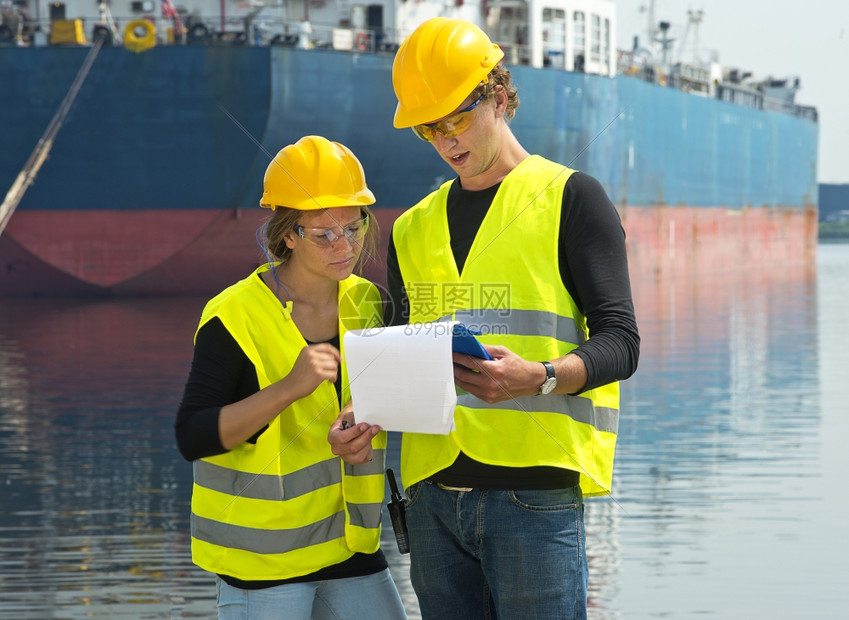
327	237
449	127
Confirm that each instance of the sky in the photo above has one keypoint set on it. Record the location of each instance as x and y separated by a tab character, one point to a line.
777	38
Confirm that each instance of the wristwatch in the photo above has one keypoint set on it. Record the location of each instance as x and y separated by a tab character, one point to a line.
550	380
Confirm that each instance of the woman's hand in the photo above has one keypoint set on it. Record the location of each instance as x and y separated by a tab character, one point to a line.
315	363
351	441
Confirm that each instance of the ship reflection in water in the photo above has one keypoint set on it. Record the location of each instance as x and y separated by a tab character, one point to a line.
726	498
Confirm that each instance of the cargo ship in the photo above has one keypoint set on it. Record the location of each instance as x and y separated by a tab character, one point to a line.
135	135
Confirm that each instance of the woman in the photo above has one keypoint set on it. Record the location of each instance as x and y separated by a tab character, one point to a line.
290	530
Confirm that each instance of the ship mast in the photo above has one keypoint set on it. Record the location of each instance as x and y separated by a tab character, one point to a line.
694	18
651	29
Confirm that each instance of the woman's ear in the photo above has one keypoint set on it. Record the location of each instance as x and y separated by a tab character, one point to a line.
289	238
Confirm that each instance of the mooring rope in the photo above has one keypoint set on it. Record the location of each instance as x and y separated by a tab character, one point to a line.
42	148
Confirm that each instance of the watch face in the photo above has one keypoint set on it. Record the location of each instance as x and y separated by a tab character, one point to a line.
548	385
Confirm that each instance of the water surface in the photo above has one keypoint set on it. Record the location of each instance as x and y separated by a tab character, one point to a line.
729	496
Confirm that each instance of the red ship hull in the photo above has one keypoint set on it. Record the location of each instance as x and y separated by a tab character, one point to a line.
198	252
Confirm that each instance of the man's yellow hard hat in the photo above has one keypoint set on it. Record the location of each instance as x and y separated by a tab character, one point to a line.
438	66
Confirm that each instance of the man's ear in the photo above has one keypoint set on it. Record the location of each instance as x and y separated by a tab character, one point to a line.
500	96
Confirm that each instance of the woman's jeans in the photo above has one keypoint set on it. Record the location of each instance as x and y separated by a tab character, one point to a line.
355	598
497	554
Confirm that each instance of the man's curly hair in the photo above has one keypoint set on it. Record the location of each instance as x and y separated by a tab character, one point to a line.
500	75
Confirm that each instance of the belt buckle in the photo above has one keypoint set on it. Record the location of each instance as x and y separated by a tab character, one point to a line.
458	489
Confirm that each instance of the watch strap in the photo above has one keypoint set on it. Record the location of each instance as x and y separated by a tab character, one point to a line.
550	377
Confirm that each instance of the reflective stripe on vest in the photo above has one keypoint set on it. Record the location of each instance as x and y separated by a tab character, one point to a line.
281	541
286	506
289	486
511	291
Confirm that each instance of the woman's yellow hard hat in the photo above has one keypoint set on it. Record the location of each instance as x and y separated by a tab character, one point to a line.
315	173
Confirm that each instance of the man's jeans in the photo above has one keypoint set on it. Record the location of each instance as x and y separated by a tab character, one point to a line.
497	554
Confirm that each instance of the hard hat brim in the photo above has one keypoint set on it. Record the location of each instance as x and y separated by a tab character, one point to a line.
314	203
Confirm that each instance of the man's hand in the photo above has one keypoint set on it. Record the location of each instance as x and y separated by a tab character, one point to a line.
503	377
508	376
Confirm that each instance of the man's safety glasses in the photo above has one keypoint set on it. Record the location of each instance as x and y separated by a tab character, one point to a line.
327	237
449	127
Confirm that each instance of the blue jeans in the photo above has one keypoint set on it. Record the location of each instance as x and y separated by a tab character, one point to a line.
498	554
356	598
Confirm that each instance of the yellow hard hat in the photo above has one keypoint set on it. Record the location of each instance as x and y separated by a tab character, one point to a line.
315	173
438	66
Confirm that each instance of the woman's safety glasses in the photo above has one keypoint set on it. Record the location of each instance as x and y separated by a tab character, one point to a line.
449	127
327	237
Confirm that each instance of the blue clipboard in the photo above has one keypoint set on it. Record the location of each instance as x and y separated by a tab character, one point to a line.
464	341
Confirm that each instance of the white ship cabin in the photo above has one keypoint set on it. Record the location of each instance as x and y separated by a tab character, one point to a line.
575	35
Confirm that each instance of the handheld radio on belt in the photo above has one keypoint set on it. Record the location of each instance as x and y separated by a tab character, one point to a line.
397	515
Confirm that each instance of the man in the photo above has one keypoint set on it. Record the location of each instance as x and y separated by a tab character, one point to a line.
533	254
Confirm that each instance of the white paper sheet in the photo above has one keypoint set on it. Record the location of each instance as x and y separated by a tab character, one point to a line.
402	377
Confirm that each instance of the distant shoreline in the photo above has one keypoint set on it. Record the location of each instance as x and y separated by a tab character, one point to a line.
833	231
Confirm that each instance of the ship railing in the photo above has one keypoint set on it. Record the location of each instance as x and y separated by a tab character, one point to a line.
289	33
212	30
39	32
785	106
741	94
807	111
691	78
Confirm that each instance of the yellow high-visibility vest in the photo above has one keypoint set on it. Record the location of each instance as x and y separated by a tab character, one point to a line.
286	506
511	290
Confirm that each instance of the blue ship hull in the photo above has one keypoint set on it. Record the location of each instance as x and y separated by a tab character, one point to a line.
176	130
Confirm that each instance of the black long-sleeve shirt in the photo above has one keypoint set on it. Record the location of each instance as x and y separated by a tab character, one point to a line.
593	266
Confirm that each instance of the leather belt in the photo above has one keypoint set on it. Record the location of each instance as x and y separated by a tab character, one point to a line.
459	489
